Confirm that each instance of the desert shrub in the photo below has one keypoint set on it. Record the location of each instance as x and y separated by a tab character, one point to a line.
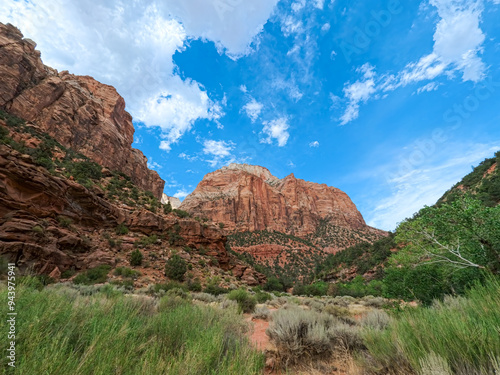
204	297
262	297
376	319
246	302
181	214
92	276
175	268
136	258
229	304
121	229
177	292
67	274
377	302
194	285
159	289
337	311
126	272
304	334
215	290
261	312
64	221
147	241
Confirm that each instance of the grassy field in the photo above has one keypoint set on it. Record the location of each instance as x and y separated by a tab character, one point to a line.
62	332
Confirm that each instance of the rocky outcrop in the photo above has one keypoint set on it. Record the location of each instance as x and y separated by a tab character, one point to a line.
249	198
174	202
81	113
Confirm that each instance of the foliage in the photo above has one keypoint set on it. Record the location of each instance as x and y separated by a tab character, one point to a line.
92	276
215	290
175	268
246	302
121	229
181	214
460	331
63	333
126	272
136	258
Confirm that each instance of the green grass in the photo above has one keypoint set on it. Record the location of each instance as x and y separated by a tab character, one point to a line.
461	332
60	332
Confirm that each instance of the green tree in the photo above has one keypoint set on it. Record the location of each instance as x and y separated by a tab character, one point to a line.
175	268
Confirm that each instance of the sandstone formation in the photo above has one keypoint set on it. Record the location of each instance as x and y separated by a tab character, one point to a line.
81	113
174	202
32	234
249	198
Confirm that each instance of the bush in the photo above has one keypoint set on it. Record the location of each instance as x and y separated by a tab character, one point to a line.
376	319
262	297
175	268
126	272
337	311
215	290
64	221
136	258
262	313
121	229
97	275
305	334
181	214
246	302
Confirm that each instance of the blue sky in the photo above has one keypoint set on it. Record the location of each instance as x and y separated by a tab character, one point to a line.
391	102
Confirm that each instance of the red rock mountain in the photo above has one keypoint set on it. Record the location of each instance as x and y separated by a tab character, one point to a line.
249	198
81	113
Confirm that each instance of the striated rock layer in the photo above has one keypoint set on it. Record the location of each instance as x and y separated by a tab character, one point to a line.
249	198
78	111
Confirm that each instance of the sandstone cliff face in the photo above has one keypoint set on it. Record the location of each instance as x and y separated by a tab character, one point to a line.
32	201
249	198
78	111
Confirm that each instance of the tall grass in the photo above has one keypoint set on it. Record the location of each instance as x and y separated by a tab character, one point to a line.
60	332
461	335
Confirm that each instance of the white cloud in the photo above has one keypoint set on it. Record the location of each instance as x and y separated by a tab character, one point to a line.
253	109
325	27
458	43
432	86
288	86
181	194
298	5
358	92
276	129
425	183
314	144
320	4
153	165
131	47
220	151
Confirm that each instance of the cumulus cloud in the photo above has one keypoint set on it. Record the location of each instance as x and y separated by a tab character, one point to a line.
276	130
131	47
253	109
220	151
314	144
181	194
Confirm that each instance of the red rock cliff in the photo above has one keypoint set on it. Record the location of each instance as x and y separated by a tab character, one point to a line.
249	198
78	111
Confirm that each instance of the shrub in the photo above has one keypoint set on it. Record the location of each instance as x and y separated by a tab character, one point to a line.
204	297
215	290
121	229
262	297
261	312
376	319
337	311
194	286
175	268
126	272
64	221
67	274
136	258
181	214
92	276
37	229
246	302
